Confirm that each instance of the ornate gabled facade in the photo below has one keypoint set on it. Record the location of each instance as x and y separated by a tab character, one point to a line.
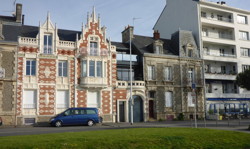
55	74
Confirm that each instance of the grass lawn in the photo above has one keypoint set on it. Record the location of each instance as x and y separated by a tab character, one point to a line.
143	138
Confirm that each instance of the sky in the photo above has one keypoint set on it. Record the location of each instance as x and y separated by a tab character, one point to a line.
115	14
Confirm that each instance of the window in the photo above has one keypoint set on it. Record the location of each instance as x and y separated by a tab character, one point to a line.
84	68
124	74
167	73
151	94
151	72
157	49
190	99
30	67
93	48
47	44
62	100
190	52
168	99
92	68
245	67
245	52
204	32
203	14
62	68
29	99
99	69
242	19
220	17
243	35
223	69
222	52
191	75
93	100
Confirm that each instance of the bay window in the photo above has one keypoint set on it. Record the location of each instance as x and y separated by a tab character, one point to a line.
93	68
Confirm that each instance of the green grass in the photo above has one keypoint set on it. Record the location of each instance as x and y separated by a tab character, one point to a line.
143	138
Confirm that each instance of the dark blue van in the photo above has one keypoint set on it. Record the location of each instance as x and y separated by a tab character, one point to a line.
76	116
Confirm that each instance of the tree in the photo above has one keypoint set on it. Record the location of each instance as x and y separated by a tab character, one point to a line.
243	79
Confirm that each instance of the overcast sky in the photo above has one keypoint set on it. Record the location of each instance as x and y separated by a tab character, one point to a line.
115	14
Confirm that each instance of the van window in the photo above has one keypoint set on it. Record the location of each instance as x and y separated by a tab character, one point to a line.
77	112
68	112
88	111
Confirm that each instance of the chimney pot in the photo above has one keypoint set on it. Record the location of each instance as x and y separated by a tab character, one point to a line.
156	35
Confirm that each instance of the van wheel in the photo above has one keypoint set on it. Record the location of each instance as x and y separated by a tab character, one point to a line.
58	124
90	123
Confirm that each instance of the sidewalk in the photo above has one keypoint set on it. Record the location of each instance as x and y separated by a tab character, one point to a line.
232	125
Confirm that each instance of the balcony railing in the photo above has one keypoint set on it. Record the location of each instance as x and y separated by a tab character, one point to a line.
68	44
27	40
219	54
126	84
93	52
223	19
218	35
126	57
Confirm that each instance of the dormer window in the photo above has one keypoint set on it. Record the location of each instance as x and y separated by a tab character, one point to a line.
93	48
158	47
47	44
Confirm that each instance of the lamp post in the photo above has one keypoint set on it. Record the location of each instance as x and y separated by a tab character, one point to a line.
131	96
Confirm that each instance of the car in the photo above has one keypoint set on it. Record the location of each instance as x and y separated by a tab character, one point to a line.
76	116
1	121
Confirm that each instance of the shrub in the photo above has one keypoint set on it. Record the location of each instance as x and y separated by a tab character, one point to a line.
180	117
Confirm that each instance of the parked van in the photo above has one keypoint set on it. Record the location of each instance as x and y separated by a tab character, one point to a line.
76	116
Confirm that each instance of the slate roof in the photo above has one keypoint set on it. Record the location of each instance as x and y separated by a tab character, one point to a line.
7	19
11	33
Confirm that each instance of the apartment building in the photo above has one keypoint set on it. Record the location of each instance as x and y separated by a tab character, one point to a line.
222	35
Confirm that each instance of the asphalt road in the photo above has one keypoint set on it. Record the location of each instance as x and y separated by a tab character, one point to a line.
233	125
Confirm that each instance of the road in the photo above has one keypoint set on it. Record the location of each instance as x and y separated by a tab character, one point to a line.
234	125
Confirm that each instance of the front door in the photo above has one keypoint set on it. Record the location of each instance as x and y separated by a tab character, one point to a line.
138	109
121	111
151	109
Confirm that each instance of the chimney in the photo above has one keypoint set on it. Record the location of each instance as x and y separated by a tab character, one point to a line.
127	33
1	31
156	35
19	13
222	3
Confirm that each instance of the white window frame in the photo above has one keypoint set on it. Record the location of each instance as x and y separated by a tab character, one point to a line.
47	49
62	100
151	72
94	99
243	35
190	100
30	67
62	68
242	19
168	73
245	52
168	99
29	99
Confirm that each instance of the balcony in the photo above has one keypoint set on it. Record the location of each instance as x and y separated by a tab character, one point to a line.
135	84
227	95
66	44
126	57
93	82
28	41
220	76
84	52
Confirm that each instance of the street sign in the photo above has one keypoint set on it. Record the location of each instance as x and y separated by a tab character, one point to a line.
193	85
2	72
